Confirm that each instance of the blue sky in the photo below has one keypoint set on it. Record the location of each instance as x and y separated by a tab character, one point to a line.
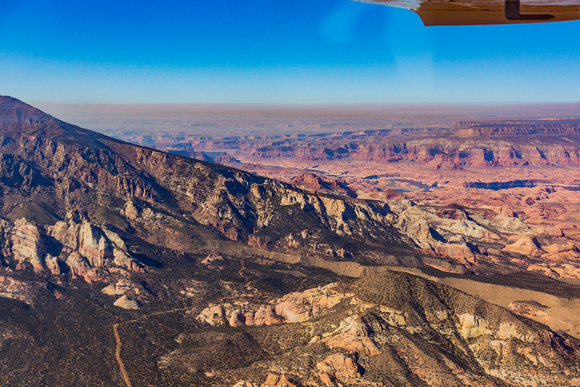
274	51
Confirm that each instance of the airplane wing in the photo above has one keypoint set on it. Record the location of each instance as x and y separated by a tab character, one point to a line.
471	12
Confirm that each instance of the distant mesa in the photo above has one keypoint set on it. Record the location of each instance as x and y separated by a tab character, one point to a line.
126	265
320	183
469	129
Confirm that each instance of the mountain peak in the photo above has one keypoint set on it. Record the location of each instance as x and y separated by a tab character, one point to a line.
97	235
6	99
19	120
12	105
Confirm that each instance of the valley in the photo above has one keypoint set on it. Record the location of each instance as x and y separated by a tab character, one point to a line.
488	194
122	264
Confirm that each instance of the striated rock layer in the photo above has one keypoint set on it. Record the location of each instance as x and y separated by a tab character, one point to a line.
69	168
125	265
397	329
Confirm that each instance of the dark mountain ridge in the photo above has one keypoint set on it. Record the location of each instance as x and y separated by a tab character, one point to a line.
122	265
62	168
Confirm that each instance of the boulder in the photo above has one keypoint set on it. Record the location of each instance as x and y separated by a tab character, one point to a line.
126	303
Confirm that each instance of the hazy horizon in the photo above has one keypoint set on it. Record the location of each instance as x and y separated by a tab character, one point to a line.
290	51
250	118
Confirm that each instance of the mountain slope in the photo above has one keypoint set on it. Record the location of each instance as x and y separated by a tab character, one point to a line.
69	167
394	329
122	265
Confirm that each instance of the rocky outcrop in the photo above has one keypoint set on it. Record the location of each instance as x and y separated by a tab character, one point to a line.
508	336
530	309
317	183
526	127
53	265
131	211
126	303
526	246
353	335
82	249
17	290
78	234
78	265
98	247
340	366
472	326
121	287
93	245
273	380
556	270
557	251
391	322
27	244
466	144
292	308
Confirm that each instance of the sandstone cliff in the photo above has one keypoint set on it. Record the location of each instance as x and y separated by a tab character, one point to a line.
397	329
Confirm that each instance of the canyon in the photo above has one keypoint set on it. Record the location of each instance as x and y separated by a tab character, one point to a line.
127	265
485	195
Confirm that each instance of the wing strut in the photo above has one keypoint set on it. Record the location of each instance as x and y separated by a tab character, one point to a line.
512	12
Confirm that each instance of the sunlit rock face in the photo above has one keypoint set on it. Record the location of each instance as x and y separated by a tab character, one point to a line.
380	318
178	271
82	249
479	237
80	235
292	308
483	184
126	303
27	244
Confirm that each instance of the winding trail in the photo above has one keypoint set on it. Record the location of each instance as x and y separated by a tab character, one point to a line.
118	356
124	374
